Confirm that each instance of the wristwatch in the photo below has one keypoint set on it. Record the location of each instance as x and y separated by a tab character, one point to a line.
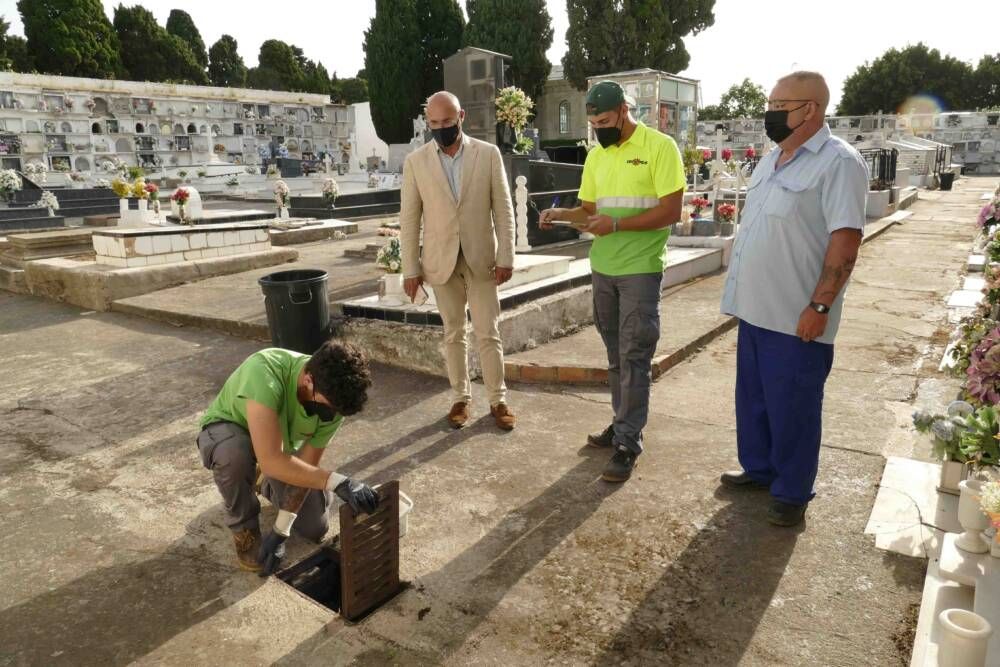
820	308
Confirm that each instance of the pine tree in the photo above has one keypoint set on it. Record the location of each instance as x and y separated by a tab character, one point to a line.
181	24
441	24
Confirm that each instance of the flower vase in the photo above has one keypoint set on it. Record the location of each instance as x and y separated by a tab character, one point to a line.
283	213
180	213
52	213
390	289
972	518
964	638
143	207
123	209
506	138
952	473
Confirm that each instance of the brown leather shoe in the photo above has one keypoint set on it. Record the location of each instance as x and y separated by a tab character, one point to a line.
503	417
458	415
247	543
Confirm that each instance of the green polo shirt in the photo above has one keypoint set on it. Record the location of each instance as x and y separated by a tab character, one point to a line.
624	181
270	377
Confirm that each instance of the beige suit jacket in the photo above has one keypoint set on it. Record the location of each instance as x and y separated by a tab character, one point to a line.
481	222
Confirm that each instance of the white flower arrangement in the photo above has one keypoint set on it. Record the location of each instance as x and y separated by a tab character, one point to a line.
339	235
989	500
330	190
102	183
47	200
389	257
281	193
10	183
513	107
34	169
252	170
233	181
77	177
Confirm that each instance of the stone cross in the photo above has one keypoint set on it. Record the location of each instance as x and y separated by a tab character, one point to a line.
521	213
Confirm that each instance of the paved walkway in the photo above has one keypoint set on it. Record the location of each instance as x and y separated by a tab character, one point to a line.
690	319
115	550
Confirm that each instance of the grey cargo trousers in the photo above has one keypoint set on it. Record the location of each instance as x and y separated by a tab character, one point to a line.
226	450
627	315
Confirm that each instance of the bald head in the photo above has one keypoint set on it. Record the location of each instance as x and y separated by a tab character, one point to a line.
443	101
804	86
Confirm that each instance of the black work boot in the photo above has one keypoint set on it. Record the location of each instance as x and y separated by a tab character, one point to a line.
785	514
620	467
604	439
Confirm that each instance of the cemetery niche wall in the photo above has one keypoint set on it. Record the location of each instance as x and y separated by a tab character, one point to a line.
56	120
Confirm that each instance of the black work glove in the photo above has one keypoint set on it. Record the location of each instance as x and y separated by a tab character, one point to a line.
361	498
272	550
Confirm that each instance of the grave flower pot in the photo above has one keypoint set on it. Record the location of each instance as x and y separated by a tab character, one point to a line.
506	138
952	473
143	207
972	518
390	289
964	637
726	228
704	228
878	203
123	208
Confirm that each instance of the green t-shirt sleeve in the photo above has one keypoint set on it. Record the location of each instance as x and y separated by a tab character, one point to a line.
588	184
668	171
259	382
325	432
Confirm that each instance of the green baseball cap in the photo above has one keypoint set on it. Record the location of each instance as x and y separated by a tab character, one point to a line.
605	96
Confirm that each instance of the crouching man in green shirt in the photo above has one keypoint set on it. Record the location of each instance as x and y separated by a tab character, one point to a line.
278	411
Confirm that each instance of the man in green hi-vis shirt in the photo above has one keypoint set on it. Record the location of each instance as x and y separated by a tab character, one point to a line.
279	410
632	190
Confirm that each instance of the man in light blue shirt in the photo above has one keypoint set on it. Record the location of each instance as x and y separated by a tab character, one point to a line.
798	240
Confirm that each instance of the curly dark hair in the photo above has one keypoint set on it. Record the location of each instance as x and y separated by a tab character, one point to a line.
340	372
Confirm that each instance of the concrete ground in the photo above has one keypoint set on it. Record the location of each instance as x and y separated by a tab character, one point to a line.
115	550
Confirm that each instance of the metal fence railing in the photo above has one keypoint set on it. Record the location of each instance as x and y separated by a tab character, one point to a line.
881	166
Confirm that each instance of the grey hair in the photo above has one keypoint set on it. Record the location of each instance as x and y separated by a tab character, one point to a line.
814	78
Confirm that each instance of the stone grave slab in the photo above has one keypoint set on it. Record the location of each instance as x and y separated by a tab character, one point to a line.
29	247
167	245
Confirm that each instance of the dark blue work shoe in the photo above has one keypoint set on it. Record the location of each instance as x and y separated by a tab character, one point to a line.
621	465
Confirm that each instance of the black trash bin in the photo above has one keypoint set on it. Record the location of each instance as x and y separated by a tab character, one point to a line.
947	178
298	313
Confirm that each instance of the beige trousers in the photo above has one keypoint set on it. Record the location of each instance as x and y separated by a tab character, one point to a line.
484	303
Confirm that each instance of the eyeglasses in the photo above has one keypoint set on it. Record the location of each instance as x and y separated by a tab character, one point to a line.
775	105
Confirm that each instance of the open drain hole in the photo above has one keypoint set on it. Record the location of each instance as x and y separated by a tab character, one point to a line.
317	577
360	573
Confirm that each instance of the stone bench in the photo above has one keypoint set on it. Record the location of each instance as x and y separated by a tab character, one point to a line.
151	246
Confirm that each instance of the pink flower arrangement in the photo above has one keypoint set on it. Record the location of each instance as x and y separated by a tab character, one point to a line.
706	155
153	191
726	212
727	154
983	383
990	214
180	196
698	203
750	153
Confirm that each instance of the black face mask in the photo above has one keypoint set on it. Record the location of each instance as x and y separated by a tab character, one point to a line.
608	136
446	136
315	409
776	124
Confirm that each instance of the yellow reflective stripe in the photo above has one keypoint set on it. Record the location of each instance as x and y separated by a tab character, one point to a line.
627	202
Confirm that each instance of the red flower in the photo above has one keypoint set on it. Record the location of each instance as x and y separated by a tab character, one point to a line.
699	202
706	155
151	188
727	154
750	153
180	195
726	212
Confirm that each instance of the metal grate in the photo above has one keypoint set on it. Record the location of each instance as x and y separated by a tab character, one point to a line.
369	555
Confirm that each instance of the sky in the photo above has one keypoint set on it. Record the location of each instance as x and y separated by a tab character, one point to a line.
759	39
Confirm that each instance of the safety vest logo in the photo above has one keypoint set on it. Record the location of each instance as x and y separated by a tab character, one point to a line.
635	162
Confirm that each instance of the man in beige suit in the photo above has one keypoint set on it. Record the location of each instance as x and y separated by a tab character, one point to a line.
455	189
